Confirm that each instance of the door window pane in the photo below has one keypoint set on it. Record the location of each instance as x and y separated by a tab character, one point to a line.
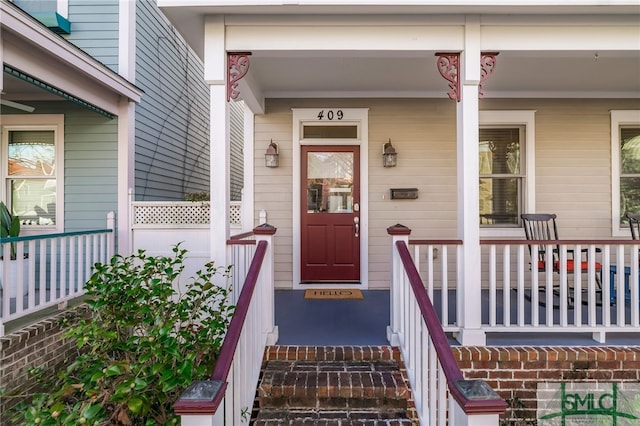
501	179
329	182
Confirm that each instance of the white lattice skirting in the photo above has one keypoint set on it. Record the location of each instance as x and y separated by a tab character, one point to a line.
178	213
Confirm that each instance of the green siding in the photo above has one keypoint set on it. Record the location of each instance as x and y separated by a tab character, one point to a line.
94	29
91	170
172	120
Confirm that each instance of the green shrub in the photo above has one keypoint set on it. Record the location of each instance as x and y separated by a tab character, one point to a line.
142	345
197	196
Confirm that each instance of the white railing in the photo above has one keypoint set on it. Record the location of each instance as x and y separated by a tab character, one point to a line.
442	396
518	295
228	397
524	296
241	249
437	262
49	269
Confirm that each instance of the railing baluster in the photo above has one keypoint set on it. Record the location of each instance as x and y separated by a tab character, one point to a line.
44	256
520	282
492	286
444	260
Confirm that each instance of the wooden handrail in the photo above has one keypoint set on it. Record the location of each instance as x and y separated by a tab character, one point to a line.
441	345
241	236
435	242
230	343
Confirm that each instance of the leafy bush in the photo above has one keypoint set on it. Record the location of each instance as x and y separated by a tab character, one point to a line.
197	196
142	345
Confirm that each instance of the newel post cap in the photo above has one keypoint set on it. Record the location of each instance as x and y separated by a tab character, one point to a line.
264	229
398	229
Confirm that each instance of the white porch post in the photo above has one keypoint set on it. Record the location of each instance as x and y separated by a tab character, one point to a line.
398	233
247	211
215	63
468	192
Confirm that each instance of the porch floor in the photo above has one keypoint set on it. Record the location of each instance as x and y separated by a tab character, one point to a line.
364	322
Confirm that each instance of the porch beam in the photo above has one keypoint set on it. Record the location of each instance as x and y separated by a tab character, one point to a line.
322	38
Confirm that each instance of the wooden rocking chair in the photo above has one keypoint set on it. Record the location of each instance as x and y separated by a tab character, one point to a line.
542	227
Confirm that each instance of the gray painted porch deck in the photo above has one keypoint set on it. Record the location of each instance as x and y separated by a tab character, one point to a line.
364	322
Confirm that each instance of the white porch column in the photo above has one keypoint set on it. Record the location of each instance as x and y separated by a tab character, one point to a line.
247	212
215	60
468	192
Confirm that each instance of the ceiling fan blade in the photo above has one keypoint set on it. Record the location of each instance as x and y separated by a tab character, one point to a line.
17	105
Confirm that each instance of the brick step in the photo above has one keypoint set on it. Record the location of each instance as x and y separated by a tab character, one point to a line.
332	353
332	417
333	385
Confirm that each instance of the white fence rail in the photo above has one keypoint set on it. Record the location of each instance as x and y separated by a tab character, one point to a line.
49	270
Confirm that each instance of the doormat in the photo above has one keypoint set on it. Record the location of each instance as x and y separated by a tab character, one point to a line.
333	294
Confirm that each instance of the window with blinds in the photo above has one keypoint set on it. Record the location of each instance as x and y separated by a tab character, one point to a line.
501	156
629	171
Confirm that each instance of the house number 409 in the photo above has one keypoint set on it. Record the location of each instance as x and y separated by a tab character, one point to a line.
331	115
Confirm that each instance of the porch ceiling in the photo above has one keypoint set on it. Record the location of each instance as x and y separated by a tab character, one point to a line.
598	62
574	74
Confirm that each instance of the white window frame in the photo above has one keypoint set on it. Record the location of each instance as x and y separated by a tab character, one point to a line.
619	118
524	118
24	122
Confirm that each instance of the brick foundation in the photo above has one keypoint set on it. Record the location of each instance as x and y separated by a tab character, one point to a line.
38	346
514	372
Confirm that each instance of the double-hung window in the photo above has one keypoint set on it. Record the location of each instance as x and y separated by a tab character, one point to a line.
625	155
506	170
31	154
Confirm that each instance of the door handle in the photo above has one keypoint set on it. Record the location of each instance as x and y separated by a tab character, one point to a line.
356	220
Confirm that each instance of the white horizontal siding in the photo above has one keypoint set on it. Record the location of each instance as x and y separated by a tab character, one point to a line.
572	169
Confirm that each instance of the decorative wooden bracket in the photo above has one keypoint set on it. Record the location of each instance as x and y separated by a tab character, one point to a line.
448	65
237	67
487	66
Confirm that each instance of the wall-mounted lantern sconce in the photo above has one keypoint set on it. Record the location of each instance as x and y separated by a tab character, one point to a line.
389	155
271	156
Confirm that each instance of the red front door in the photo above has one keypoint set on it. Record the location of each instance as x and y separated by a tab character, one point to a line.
330	214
